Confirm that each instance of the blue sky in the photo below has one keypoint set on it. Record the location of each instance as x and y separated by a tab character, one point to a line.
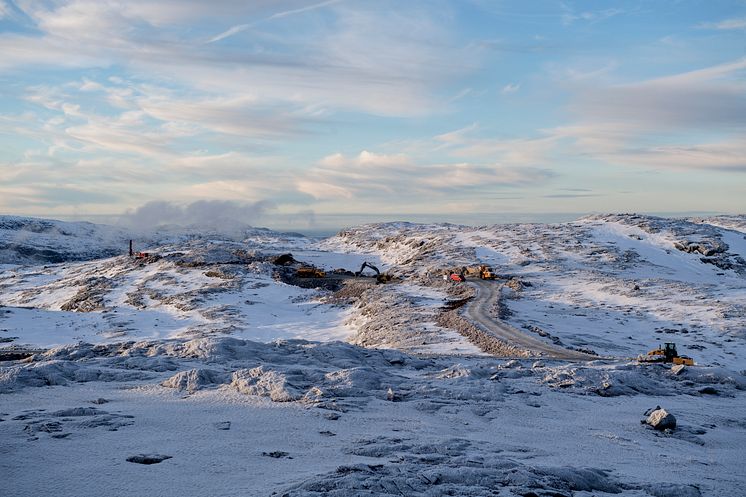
304	114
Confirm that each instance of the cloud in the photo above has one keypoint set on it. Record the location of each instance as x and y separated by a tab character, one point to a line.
726	156
534	151
713	96
690	120
155	125
510	88
537	45
400	178
241	116
219	215
301	10
50	196
6	11
570	16
571	195
305	218
727	24
234	30
382	62
685	121
152	106
457	137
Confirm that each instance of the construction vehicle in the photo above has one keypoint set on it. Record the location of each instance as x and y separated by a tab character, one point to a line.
473	271
458	277
138	255
486	273
368	265
668	354
309	272
380	278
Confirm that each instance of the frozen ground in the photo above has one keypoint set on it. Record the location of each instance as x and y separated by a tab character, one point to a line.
203	362
617	285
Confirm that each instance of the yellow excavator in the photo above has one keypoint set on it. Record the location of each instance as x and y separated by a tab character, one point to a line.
380	277
668	354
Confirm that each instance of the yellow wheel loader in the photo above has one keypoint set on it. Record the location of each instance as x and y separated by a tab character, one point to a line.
668	354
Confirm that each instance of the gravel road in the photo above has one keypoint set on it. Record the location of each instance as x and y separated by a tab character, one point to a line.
480	311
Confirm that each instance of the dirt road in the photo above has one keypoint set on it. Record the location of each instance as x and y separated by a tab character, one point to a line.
480	311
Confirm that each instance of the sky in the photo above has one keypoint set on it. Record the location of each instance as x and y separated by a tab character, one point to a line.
320	114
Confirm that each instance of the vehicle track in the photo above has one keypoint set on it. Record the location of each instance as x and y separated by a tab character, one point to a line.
480	311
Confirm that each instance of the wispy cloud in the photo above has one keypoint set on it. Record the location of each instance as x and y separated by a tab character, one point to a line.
652	123
370	62
6	11
301	10
372	175
710	96
571	15
727	24
234	30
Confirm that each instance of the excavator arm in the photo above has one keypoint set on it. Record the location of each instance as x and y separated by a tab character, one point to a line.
368	265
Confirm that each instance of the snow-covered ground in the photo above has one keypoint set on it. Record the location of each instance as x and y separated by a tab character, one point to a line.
162	299
617	285
253	386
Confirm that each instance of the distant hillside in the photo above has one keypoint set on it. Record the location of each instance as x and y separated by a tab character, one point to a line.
27	240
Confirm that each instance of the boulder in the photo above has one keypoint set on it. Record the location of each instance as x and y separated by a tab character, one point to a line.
195	379
678	369
660	419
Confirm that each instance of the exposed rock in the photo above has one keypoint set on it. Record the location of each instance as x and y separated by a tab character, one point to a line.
195	379
660	419
516	284
392	396
90	297
705	247
678	369
266	383
277	454
43	426
148	458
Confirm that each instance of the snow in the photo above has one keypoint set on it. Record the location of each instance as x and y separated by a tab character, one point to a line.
243	384
261	309
442	422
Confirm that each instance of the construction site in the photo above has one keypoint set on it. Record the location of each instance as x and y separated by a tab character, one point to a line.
443	349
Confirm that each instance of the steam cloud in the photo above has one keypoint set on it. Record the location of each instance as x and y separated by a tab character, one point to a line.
217	215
